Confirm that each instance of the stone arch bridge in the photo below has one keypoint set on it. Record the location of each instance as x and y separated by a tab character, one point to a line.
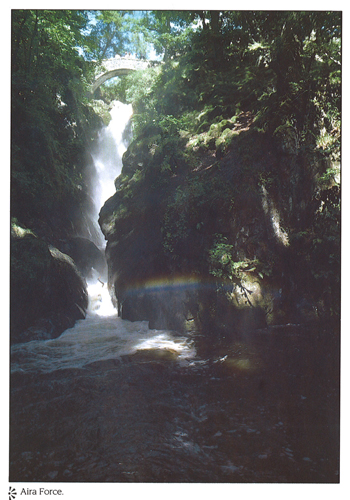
118	66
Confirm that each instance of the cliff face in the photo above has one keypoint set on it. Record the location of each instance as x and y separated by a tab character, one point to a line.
213	243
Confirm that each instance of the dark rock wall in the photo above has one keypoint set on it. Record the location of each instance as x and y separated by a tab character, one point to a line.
163	229
48	294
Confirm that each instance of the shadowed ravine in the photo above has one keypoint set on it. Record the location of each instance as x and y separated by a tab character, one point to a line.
111	400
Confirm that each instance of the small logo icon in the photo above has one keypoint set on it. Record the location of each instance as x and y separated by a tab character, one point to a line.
12	493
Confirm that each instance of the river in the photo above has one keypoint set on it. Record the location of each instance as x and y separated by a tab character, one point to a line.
113	401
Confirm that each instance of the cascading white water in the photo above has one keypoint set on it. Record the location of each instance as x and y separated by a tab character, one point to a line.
112	144
101	335
97	338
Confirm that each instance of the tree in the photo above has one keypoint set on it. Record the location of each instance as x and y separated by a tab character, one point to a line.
107	34
49	112
43	39
168	31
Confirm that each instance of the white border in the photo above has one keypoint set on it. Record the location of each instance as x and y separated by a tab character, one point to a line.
174	491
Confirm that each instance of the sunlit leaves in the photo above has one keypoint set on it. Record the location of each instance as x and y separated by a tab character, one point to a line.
107	34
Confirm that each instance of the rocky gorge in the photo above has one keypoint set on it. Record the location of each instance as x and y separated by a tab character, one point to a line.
186	326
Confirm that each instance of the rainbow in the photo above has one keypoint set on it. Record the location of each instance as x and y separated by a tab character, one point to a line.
179	282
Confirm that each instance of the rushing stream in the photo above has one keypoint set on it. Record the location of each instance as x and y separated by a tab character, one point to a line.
113	401
101	336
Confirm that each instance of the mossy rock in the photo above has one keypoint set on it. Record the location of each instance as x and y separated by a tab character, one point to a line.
203	127
227	124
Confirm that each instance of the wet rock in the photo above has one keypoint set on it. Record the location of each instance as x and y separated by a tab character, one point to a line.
156	354
85	253
48	294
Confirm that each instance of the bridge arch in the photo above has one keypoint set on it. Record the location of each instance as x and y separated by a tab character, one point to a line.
108	75
117	66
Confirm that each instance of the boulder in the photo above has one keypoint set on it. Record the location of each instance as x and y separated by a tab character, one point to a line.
48	294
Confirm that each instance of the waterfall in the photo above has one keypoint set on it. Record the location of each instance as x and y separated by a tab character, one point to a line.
102	335
112	143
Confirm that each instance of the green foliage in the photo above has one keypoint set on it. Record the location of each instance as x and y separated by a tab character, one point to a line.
223	264
284	69
107	35
168	31
52	121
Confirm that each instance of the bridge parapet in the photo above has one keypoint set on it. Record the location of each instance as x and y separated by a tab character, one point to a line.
118	62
